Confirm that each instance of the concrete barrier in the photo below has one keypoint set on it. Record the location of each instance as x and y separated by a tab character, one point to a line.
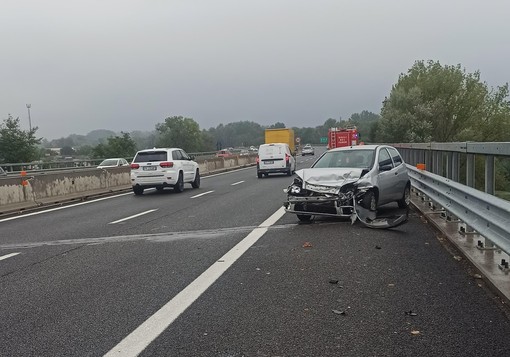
55	187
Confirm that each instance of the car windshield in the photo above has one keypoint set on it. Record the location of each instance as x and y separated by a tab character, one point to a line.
346	158
109	162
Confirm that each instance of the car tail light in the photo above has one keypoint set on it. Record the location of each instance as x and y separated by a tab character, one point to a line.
167	164
287	157
135	166
258	159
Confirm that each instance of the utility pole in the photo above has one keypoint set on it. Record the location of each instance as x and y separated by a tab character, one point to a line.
29	119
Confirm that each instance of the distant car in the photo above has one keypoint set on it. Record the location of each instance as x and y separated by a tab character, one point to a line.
369	176
163	167
113	163
275	158
307	150
224	153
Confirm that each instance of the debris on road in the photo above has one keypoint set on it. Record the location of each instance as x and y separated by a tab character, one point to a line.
339	312
415	332
411	313
307	245
333	281
377	247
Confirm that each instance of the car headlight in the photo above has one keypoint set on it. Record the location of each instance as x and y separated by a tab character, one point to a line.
295	189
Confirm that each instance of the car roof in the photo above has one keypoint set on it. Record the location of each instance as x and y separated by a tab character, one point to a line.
273	144
358	147
158	149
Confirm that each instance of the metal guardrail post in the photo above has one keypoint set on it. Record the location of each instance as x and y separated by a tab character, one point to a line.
490	180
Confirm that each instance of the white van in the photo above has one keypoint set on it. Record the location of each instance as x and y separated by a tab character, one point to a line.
275	158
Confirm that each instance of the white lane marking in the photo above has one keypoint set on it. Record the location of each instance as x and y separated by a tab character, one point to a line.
8	256
134	343
64	207
133	216
103	198
201	194
236	183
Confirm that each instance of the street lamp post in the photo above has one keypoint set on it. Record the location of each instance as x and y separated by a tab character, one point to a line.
29	119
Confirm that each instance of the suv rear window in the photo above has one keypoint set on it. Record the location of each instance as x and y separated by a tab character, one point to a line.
150	156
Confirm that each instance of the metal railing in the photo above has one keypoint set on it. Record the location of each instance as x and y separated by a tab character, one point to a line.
440	183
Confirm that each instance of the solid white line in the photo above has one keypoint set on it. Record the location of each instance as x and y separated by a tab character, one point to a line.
64	207
133	216
102	199
143	335
205	193
8	256
236	183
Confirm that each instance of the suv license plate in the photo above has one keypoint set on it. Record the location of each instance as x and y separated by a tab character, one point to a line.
268	162
149	168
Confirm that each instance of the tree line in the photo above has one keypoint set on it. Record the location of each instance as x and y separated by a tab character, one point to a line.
430	102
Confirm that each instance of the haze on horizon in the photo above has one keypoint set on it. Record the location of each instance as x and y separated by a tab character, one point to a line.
127	65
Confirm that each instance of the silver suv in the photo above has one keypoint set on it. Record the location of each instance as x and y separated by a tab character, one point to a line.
162	168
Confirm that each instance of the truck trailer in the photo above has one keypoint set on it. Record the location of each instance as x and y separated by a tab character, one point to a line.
281	135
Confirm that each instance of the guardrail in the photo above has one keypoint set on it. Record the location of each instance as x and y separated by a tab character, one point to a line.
451	191
27	190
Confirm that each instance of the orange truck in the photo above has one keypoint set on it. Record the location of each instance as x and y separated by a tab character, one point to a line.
338	137
281	135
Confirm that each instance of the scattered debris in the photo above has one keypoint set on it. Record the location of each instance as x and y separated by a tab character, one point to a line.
257	268
415	332
411	313
457	258
477	276
391	285
377	247
307	245
333	281
338	312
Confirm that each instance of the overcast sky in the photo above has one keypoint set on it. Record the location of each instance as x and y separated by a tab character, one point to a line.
126	65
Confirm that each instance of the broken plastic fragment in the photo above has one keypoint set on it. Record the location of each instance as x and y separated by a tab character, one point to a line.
307	245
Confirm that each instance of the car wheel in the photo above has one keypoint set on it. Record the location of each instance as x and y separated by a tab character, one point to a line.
179	185
266	175
196	181
138	190
304	217
369	201
406	198
259	175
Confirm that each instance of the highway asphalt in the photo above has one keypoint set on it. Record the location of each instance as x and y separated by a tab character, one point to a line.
221	271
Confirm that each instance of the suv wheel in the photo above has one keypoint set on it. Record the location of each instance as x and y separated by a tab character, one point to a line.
179	185
196	181
138	190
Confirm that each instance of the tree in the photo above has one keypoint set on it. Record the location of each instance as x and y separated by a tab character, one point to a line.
179	132
277	125
17	145
439	103
116	146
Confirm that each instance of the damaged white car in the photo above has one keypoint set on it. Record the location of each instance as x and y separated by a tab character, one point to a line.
352	182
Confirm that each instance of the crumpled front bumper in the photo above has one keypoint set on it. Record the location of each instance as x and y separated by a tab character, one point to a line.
319	205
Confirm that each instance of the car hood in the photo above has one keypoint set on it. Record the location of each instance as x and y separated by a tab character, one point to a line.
334	177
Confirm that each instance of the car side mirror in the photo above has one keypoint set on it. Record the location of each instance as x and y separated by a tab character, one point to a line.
385	167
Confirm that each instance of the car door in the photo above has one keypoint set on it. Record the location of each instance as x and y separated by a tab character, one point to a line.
402	177
386	177
189	168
